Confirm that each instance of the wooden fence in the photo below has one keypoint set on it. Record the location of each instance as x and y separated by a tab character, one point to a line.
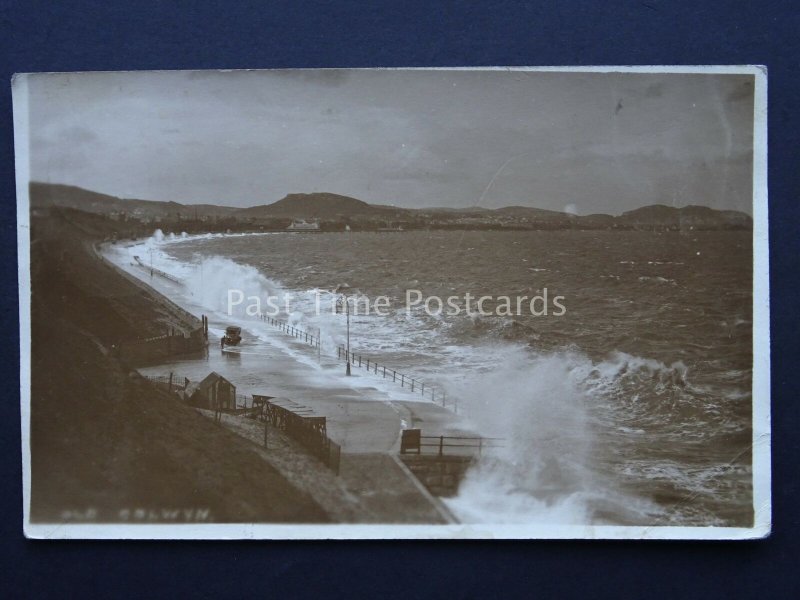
302	425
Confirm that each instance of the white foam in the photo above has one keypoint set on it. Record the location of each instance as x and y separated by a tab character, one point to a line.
544	405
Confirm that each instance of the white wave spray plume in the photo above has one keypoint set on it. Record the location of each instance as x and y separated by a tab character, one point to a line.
545	470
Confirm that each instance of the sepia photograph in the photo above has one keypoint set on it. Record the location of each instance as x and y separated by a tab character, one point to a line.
394	303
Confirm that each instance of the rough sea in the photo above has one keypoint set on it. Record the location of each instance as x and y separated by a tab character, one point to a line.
632	407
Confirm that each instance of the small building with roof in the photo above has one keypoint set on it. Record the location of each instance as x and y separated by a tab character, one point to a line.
212	392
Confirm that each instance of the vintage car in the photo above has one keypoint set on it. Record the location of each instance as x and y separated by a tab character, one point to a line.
233	335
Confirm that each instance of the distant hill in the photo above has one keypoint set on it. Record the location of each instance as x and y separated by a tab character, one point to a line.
318	205
464	210
687	216
46	194
325	206
43	195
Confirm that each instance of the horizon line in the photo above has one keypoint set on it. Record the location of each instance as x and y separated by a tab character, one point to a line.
387	206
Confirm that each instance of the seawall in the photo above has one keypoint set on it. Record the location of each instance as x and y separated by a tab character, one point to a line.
183	332
441	475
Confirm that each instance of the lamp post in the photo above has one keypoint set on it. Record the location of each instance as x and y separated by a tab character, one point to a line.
343	298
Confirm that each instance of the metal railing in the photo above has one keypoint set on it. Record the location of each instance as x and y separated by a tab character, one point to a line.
461	444
412	441
295	332
158	297
417	386
158	272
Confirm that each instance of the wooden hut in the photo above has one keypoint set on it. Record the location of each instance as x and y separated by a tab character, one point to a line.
213	391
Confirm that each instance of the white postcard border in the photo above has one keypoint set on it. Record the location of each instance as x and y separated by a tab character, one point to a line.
761	469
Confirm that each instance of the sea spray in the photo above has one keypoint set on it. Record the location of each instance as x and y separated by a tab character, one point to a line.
661	406
211	280
544	464
547	467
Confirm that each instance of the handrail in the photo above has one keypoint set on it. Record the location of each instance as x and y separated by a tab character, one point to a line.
295	332
456	437
152	270
418	442
426	390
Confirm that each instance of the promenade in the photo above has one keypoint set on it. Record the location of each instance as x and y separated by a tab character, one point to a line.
364	420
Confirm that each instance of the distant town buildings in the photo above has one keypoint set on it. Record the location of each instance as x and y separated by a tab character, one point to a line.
303	225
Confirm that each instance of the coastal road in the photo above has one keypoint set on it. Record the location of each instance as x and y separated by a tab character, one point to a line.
364	414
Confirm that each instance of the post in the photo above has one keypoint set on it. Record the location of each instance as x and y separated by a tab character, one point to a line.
441	444
170	382
347	311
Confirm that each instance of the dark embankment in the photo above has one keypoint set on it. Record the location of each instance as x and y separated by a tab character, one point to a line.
102	438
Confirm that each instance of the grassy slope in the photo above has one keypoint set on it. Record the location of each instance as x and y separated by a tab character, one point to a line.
103	438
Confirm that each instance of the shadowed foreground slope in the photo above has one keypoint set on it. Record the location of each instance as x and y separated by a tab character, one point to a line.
105	445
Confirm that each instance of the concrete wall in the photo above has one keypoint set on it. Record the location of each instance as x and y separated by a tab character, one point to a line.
138	352
441	475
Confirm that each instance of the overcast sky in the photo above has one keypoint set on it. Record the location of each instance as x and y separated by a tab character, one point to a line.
581	142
